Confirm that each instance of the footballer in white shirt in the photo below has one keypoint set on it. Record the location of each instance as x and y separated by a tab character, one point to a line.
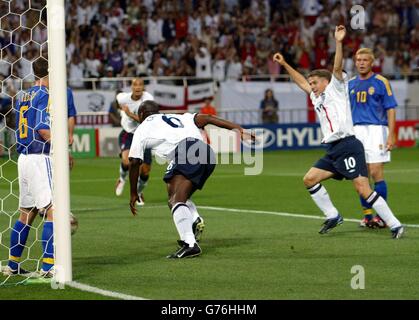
177	138
129	102
345	157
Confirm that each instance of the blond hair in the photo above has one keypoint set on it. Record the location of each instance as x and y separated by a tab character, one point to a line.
367	51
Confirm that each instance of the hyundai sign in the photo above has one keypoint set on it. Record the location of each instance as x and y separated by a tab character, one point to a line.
287	136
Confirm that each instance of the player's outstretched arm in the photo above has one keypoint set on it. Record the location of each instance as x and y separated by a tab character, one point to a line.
297	77
129	113
340	32
134	171
201	120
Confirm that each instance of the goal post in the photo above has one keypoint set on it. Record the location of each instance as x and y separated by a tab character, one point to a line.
59	139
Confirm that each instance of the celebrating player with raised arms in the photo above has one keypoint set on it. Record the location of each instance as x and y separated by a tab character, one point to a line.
345	156
129	103
374	118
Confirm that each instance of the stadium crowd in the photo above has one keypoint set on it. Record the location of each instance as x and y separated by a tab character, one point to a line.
223	39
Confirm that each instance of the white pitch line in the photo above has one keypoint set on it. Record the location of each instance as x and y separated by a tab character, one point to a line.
285	214
240	175
106	293
114	294
118	208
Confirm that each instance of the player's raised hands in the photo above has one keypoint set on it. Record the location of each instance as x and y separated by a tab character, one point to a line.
279	58
248	136
340	32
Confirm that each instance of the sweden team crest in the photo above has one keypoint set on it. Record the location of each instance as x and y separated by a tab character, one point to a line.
371	91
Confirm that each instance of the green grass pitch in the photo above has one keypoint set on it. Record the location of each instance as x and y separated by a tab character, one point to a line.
250	253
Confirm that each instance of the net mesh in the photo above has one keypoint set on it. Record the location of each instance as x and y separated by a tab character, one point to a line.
23	40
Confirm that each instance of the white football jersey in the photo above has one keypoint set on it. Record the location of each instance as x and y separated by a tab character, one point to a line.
334	111
127	123
162	133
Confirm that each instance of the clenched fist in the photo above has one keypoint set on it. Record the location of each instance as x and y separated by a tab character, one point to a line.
279	58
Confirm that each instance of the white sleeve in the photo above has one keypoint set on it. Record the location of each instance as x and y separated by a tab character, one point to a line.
339	85
313	97
120	97
190	117
138	145
148	96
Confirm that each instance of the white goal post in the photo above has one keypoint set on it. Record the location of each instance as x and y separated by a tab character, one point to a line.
59	139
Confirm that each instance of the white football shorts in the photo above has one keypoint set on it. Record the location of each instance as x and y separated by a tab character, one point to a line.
374	139
35	180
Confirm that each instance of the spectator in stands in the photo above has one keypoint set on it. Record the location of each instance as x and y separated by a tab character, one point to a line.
168	28
5	66
76	72
195	24
92	65
203	63
181	25
106	84
207	108
142	66
310	10
234	68
154	30
116	59
269	106
115	29
219	67
5	106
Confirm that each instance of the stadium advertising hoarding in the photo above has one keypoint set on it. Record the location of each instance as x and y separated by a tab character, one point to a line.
292	136
103	142
294	105
407	133
308	136
85	143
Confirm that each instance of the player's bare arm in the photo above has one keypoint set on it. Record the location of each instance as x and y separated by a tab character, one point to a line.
297	77
71	126
340	33
201	120
134	166
45	134
391	116
129	113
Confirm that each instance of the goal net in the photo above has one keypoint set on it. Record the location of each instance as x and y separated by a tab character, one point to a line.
25	38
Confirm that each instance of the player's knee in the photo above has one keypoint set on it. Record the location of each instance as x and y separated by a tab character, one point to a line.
377	175
171	203
125	162
364	190
309	180
145	170
25	218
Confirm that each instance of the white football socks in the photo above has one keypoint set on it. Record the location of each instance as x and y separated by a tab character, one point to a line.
182	217
194	210
321	198
383	210
141	184
122	172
